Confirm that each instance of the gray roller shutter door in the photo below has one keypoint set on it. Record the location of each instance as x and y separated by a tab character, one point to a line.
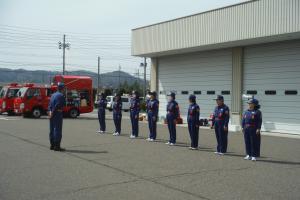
275	67
201	71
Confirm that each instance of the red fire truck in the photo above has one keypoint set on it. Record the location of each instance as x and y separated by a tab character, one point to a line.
7	95
33	100
78	93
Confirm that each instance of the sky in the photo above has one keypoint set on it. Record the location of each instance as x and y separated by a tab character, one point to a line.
31	29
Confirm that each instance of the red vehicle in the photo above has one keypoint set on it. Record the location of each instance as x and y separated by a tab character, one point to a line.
7	95
33	100
78	93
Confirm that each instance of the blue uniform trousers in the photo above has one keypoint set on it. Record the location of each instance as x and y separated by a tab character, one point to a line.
222	136
134	122
56	122
152	125
172	128
117	122
252	141
101	118
194	133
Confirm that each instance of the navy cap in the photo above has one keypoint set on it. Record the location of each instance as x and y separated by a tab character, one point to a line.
253	101
220	97
60	85
152	93
192	97
171	94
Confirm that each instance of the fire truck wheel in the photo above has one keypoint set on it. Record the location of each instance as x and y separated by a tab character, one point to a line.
73	113
36	113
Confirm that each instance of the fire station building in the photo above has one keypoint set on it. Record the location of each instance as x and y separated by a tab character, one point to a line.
250	48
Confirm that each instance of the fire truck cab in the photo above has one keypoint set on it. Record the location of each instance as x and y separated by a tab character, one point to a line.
7	95
33	100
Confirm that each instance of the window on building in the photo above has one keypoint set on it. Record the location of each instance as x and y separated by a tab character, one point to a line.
184	92
270	92
291	92
252	92
226	92
197	92
211	92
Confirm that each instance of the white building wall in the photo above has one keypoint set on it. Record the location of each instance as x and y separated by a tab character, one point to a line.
262	20
275	67
202	71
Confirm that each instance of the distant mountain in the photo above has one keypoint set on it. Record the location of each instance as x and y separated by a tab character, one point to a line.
110	79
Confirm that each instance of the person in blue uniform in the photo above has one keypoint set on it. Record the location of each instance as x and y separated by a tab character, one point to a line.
152	111
172	115
220	122
102	103
251	125
55	112
117	114
193	119
134	114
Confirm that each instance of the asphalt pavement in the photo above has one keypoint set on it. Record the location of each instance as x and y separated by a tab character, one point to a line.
107	167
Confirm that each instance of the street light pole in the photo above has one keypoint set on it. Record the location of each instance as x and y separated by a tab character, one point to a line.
145	80
98	78
64	54
63	45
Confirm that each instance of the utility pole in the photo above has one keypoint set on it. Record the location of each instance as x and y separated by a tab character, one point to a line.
145	81
98	78
119	76
63	45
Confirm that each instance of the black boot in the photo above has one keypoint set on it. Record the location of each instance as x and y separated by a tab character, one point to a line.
51	146
58	148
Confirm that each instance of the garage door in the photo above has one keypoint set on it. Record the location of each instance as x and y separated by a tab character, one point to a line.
272	74
204	74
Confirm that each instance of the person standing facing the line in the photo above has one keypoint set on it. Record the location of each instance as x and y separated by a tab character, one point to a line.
55	112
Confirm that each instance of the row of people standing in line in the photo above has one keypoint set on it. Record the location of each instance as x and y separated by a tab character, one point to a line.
251	121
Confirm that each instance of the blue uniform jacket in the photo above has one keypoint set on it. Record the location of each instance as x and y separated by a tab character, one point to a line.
152	107
173	109
57	102
221	114
102	103
252	118
117	107
135	104
194	114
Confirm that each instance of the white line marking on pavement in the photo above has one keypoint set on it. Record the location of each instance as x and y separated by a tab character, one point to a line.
8	119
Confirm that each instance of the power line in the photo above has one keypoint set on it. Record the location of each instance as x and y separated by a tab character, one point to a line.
57	32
